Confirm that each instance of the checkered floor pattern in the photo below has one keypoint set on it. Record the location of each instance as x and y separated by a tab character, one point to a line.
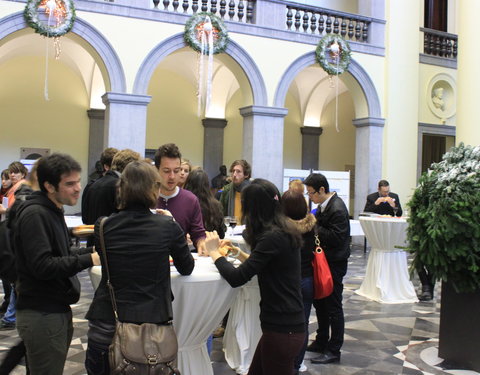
379	338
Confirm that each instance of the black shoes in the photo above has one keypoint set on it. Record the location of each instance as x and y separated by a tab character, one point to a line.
327	357
6	326
315	347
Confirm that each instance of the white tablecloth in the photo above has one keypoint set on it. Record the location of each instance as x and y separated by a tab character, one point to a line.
386	277
243	328
356	228
73	221
201	301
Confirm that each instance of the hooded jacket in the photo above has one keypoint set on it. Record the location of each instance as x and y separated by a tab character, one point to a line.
46	266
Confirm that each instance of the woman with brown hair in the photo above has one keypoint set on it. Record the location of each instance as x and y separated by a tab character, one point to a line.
185	169
138	245
17	172
212	214
296	209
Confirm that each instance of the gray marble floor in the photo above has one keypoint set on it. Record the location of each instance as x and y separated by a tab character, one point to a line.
379	338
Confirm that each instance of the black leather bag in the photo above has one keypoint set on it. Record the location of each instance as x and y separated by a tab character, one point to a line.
139	349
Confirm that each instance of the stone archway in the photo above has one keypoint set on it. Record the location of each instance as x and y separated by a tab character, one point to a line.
369	127
113	70
176	42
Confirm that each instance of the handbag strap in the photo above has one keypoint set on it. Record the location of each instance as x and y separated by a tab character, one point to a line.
317	239
109	284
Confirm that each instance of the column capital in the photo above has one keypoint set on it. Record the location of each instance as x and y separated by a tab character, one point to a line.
369	121
219	123
311	130
257	110
96	114
121	98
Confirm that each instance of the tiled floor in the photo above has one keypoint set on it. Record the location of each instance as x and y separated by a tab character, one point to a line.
379	338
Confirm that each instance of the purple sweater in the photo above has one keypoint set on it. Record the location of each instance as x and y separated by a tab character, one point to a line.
186	211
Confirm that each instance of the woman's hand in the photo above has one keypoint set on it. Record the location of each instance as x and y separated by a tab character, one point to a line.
212	245
212	241
95	259
161	211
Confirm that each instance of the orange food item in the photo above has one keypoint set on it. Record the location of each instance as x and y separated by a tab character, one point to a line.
224	250
83	230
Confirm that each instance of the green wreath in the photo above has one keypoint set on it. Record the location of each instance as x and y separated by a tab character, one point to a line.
65	11
194	26
326	58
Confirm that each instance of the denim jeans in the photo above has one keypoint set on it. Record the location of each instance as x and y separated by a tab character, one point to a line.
10	316
96	358
307	295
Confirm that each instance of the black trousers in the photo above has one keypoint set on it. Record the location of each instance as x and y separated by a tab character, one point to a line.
329	310
13	358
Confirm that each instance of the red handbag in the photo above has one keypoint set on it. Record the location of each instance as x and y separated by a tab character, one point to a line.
322	277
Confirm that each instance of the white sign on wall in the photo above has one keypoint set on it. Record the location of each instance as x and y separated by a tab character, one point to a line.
339	181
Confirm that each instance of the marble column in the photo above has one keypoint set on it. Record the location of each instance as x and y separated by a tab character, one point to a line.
125	121
213	145
401	93
468	78
368	158
310	146
263	141
95	136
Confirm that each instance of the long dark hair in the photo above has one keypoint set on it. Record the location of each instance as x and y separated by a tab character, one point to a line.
262	212
197	182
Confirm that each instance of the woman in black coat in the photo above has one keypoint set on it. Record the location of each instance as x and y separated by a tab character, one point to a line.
275	259
138	245
295	207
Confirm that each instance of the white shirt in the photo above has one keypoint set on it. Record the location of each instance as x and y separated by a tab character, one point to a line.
324	204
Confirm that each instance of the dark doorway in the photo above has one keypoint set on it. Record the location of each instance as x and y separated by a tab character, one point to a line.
433	148
436	15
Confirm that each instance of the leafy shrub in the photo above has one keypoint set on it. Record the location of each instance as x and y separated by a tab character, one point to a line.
444	226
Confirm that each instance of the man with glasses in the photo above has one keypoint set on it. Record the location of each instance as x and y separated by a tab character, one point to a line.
333	224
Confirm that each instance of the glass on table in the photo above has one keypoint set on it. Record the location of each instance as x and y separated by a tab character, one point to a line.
226	221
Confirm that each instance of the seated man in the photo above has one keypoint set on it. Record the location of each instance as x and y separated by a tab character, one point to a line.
383	202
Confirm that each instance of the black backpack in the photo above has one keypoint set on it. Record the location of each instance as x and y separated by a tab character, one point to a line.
7	257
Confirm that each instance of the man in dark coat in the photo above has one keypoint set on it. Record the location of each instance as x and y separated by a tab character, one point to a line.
383	202
333	226
101	198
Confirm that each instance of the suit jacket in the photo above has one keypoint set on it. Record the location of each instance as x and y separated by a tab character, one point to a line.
383	208
334	229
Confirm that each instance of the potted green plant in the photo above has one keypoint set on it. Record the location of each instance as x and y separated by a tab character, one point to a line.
444	236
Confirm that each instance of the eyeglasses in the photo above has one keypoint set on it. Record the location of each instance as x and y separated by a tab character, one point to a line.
310	193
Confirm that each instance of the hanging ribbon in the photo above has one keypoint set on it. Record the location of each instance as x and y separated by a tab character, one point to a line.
205	67
335	53
49	8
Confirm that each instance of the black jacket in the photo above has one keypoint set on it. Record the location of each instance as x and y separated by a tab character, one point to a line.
383	208
277	265
100	198
138	246
45	264
334	229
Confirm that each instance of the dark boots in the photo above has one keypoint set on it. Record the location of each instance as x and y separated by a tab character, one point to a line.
427	293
